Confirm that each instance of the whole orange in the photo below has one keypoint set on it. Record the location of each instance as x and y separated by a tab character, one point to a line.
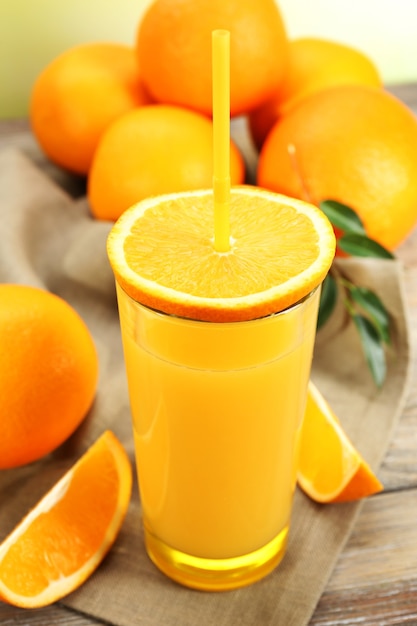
48	373
153	150
78	95
355	144
314	64
174	50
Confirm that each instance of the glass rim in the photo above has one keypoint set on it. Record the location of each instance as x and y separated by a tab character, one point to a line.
173	316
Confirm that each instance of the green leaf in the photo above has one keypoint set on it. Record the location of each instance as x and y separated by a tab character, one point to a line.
342	217
327	300
361	245
372	347
372	304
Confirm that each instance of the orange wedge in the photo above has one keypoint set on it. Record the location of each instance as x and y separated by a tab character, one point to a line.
65	537
162	254
330	468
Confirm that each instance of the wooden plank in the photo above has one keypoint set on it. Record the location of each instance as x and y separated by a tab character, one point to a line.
406	92
375	579
386	605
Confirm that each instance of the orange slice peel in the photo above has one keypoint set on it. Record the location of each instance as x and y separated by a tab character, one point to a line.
330	468
58	545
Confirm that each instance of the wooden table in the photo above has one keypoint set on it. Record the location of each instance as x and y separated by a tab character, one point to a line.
382	589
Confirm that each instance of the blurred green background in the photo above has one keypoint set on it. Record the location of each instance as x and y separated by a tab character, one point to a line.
32	32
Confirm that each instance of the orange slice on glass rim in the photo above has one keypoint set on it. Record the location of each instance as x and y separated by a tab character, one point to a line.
67	534
330	468
162	254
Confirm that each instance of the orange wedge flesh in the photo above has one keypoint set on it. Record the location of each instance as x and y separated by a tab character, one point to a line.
330	468
65	537
162	254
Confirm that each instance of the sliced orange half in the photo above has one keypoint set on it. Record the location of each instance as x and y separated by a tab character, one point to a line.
330	468
65	537
162	254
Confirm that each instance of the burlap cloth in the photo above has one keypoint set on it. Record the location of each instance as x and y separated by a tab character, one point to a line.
49	239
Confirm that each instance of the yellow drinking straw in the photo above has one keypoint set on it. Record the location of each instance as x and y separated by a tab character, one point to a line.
221	138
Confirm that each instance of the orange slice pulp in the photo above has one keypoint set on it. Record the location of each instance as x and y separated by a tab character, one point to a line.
67	534
330	468
162	254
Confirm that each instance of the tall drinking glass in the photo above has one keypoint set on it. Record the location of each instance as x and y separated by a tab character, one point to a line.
217	411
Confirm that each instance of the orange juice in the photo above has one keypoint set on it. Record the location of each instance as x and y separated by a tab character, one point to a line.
218	347
216	410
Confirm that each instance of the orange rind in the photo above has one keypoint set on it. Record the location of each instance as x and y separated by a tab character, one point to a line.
330	468
58	545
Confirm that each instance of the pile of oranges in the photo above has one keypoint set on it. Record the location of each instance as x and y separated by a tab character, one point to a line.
136	120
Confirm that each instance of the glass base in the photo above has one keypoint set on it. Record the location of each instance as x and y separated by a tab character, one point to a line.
216	574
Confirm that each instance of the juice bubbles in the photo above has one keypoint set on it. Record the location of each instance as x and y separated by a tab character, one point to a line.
217	401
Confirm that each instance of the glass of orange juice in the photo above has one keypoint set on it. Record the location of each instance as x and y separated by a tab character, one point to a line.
218	350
